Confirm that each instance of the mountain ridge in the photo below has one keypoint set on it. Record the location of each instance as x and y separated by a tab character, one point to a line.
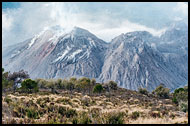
128	59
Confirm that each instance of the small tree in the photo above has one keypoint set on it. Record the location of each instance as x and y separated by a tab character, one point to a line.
98	88
93	82
59	84
51	85
143	91
18	77
112	85
180	94
161	91
6	84
70	86
85	84
41	83
29	86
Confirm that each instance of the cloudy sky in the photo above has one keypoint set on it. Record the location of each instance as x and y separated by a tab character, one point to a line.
23	20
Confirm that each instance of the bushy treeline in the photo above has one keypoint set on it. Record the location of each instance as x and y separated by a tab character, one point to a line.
11	81
83	85
19	81
179	96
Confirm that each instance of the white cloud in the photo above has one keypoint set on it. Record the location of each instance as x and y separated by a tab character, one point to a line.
182	7
30	18
7	22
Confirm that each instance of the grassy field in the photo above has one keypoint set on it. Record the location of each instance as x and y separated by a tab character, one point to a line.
119	107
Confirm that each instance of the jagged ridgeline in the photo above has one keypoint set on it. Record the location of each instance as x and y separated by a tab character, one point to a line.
133	60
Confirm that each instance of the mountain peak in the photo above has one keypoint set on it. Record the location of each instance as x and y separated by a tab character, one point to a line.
77	31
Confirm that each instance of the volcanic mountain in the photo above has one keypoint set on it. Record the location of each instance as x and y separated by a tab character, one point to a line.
133	60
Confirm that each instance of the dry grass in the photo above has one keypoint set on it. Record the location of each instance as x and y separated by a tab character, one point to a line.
93	109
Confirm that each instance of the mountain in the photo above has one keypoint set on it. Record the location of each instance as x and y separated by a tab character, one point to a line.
48	55
133	63
133	60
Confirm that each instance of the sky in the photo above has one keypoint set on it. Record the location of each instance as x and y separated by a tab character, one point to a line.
22	20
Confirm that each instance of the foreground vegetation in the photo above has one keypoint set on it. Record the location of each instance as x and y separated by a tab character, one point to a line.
83	101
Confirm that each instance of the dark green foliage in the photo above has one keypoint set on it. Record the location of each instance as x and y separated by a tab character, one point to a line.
135	115
98	88
62	110
180	97
115	118
84	119
32	113
17	78
71	113
180	94
161	91
7	99
67	112
112	85
183	106
29	86
6	84
84	84
143	91
70	86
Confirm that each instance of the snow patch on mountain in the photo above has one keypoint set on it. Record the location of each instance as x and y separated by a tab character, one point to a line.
63	55
74	53
35	38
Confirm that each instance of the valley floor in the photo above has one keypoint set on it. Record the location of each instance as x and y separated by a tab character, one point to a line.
121	106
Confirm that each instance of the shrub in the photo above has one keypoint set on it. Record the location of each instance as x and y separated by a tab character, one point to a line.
135	115
32	113
17	78
116	118
62	110
143	91
29	86
7	99
41	83
70	113
183	106
98	88
75	121
70	86
112	85
155	114
84	119
161	91
51	84
180	94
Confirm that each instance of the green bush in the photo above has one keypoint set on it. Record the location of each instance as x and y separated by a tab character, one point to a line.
135	115
180	94
84	119
183	106
7	99
29	86
116	118
71	113
143	91
112	85
161	91
32	113
62	110
98	88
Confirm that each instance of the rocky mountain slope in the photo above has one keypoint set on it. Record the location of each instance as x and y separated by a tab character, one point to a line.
135	59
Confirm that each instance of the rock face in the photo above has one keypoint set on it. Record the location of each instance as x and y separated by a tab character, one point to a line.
133	60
